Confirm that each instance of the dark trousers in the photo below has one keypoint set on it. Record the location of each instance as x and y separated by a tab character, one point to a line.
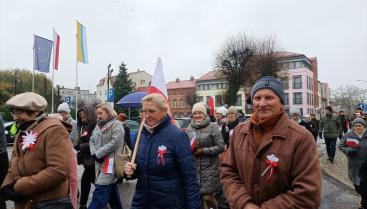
106	194
363	194
330	147
88	178
4	166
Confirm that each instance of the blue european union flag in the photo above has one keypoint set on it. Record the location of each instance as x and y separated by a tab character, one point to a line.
42	54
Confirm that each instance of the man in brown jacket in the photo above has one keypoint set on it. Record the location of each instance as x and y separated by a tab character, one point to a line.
40	163
272	162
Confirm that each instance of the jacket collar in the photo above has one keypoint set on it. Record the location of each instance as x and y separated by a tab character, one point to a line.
165	122
280	129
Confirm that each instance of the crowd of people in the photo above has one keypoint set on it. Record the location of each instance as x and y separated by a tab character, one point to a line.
267	160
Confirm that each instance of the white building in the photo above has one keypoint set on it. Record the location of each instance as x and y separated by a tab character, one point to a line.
84	96
140	78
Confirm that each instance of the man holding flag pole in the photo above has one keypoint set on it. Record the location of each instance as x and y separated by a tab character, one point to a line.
170	179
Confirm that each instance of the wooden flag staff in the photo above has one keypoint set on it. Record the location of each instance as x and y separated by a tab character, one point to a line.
137	142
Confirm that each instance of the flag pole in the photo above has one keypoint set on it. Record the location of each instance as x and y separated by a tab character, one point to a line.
76	78
53	73
34	61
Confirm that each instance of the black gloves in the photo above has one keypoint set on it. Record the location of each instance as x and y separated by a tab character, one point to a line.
320	135
96	159
8	193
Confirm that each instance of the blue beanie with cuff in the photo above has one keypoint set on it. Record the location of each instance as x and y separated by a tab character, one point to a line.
269	82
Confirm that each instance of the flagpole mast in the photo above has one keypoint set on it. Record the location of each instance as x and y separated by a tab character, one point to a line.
76	78
53	73
34	62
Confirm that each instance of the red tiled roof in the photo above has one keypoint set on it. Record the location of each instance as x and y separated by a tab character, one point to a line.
181	84
211	75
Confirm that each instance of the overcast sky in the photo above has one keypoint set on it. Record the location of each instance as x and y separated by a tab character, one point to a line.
185	33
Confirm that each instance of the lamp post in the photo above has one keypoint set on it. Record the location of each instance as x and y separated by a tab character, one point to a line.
109	72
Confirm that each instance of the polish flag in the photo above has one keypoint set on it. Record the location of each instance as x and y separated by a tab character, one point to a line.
158	84
193	143
211	105
108	165
352	142
56	50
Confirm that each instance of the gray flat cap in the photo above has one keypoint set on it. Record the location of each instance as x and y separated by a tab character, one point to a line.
27	101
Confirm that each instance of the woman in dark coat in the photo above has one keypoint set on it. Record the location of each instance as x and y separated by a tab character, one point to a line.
164	164
87	121
207	144
354	145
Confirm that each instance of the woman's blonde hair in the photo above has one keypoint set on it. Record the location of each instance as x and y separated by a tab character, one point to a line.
157	99
106	107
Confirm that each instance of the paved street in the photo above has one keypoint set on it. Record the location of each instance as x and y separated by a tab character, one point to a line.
335	195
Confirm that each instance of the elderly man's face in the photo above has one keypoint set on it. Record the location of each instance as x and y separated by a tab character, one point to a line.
266	104
20	116
295	116
153	113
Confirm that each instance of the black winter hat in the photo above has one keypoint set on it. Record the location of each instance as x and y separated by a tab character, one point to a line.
269	82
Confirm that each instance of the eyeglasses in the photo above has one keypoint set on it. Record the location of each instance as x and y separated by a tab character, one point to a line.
14	112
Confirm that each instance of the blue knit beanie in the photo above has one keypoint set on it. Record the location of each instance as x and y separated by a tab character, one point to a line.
269	82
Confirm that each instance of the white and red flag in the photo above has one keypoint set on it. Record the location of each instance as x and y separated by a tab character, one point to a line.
158	84
352	142
56	51
108	166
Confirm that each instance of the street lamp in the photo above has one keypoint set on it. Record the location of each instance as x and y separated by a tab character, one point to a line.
109	72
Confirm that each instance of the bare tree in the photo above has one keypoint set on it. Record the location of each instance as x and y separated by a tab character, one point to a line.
243	59
347	97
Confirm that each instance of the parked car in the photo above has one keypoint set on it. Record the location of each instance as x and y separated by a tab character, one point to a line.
8	136
183	123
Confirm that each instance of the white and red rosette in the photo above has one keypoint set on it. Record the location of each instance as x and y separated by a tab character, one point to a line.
272	162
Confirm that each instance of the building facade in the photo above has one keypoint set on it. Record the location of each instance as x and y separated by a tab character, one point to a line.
181	97
299	82
140	78
213	84
84	96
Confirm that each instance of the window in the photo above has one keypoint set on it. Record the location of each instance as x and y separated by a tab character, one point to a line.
285	65
142	82
286	99
303	64
291	65
181	103
298	64
198	87
218	100
209	86
297	82
308	98
200	99
239	100
174	103
285	83
297	98
224	85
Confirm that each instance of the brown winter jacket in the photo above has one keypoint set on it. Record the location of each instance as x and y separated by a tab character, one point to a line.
41	173
296	181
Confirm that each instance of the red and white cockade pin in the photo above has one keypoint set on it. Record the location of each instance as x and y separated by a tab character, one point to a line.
29	140
162	150
272	162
